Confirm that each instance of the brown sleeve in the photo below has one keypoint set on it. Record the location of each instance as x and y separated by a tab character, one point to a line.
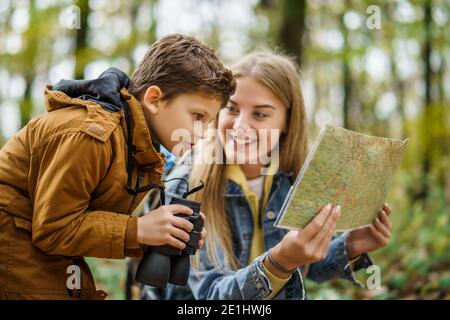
132	246
131	241
62	222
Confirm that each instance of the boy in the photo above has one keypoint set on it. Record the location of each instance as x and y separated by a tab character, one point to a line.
70	179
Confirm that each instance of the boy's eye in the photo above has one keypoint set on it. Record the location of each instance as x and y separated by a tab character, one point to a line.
198	116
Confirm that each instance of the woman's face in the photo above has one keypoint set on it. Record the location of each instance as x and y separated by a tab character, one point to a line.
252	122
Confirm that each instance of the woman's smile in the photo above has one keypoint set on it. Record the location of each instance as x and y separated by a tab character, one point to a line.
242	139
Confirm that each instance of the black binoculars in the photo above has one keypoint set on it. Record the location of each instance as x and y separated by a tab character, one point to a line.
166	264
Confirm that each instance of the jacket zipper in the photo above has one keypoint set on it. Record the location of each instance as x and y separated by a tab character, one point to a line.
139	180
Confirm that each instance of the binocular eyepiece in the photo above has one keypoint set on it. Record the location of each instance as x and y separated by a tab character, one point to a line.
166	264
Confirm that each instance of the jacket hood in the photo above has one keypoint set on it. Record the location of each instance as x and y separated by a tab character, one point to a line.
105	90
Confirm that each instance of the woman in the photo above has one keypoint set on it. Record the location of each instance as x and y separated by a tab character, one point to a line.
245	256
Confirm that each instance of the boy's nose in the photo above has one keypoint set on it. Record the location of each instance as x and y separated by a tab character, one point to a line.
201	137
200	131
205	132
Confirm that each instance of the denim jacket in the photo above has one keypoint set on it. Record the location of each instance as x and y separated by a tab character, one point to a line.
250	282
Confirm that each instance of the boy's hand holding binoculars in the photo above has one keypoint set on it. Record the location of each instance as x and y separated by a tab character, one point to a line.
309	245
161	226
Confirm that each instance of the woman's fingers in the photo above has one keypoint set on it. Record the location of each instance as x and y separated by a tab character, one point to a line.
316	224
201	242
385	219
387	209
323	246
378	235
203	234
328	228
332	225
382	228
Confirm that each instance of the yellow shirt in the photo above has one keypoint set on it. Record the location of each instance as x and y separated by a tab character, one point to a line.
234	173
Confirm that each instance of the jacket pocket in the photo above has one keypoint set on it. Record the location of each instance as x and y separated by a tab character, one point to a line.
22	224
19	205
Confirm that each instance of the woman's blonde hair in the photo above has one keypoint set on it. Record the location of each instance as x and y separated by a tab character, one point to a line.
279	74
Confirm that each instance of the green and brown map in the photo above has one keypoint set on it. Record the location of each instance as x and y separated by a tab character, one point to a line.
346	168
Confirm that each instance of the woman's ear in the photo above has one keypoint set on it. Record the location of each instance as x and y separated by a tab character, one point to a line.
151	99
284	129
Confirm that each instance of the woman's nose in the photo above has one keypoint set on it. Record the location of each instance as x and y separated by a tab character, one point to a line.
242	122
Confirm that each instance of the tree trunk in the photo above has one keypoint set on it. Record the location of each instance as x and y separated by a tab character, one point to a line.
81	39
346	75
26	105
293	27
428	98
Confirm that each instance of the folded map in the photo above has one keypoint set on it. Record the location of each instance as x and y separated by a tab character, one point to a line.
347	168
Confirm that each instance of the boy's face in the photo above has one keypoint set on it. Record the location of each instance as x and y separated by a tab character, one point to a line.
171	122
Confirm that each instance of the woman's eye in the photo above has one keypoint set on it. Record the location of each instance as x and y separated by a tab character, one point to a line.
232	109
260	115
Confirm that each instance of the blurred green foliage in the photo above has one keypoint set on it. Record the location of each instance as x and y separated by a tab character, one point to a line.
392	82
109	276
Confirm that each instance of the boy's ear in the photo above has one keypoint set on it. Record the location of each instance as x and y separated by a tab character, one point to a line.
151	98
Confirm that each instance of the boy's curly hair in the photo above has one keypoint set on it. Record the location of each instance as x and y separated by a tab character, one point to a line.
181	64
